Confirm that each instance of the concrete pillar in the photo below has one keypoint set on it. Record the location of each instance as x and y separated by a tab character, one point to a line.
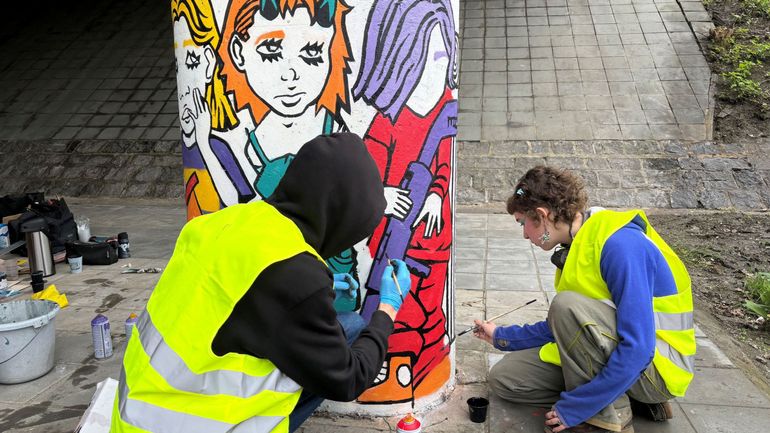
259	78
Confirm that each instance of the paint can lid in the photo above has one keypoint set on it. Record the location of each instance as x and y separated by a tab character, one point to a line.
409	424
99	319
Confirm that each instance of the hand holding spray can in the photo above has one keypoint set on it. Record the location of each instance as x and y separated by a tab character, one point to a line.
100	331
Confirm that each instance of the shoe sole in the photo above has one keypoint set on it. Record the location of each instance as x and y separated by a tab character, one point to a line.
627	429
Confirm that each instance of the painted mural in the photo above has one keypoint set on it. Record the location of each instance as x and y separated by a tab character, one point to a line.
259	78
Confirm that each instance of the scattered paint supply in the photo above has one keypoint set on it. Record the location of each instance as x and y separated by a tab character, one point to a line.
409	424
130	322
129	270
100	332
473	328
5	293
51	293
28	339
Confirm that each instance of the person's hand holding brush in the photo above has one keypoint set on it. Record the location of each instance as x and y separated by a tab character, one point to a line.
484	330
394	287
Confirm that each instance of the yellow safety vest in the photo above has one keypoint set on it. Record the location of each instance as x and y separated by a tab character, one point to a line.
674	329
171	379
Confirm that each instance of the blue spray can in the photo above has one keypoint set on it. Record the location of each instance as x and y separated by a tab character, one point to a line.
100	331
130	322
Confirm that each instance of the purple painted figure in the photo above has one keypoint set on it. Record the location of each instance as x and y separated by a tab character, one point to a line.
409	47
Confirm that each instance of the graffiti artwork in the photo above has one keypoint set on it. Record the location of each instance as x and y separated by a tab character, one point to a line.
258	78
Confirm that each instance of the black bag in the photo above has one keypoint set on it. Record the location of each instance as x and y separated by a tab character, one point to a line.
94	253
18	203
61	227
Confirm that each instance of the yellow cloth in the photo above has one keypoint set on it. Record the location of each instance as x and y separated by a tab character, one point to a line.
51	294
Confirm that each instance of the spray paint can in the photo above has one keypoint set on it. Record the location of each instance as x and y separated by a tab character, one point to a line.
409	424
100	332
130	322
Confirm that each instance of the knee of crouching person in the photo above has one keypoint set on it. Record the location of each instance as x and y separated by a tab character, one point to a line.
495	384
563	303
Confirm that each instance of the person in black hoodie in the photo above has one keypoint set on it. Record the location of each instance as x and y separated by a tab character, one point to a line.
240	332
333	193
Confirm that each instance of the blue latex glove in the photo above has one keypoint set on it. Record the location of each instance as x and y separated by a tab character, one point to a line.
389	293
345	287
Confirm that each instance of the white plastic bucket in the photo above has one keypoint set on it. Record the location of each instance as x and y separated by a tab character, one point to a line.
27	339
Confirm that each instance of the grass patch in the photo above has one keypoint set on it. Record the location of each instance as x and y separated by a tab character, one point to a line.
757	286
742	58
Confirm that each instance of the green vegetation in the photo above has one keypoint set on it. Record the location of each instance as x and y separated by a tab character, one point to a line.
759	7
743	57
740	49
758	288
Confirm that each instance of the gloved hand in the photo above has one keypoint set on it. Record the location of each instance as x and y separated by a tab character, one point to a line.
389	293
345	287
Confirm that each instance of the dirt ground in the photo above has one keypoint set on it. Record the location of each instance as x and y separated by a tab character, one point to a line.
739	53
720	249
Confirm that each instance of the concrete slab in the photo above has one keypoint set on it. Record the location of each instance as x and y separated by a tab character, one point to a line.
705	418
724	387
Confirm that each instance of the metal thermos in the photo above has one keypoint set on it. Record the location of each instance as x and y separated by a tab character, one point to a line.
38	247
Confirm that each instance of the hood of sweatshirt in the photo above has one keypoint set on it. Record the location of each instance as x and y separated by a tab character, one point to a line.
333	192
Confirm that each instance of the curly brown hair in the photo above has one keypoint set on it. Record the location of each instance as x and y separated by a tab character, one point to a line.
559	190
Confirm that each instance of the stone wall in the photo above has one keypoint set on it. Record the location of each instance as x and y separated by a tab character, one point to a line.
652	174
618	173
92	168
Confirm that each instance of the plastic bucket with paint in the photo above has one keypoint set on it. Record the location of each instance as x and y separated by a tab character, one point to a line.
27	340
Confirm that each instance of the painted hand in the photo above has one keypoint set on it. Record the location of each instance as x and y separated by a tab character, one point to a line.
202	119
432	211
397	201
345	286
390	293
553	422
484	330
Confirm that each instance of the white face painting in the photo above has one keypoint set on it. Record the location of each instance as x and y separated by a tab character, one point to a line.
429	89
286	61
195	69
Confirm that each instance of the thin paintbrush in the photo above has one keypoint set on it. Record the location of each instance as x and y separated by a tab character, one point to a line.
395	280
473	328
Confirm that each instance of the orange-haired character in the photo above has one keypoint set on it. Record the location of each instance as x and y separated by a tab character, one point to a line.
213	178
287	62
282	57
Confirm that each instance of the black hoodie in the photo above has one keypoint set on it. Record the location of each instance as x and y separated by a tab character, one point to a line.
333	192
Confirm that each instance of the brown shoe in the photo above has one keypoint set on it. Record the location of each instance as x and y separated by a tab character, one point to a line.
589	428
653	411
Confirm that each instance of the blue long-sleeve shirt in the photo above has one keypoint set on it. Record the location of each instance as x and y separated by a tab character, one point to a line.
634	270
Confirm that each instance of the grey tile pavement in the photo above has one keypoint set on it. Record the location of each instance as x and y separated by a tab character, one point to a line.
569	60
499	270
516	57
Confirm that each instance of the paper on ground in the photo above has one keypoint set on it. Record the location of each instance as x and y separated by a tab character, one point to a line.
98	416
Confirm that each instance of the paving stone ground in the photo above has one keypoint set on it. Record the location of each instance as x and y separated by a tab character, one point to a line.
584	70
495	269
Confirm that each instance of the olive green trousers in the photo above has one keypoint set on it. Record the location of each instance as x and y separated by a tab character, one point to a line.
585	330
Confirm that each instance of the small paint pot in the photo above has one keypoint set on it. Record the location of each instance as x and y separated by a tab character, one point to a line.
477	408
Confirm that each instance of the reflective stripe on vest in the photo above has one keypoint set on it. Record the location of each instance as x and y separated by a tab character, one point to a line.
157	419
174	370
684	362
674	321
674	328
173	381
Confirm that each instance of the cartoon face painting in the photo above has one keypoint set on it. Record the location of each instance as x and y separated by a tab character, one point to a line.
196	64
286	60
428	90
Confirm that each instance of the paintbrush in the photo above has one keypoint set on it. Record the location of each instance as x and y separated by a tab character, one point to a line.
473	328
395	280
